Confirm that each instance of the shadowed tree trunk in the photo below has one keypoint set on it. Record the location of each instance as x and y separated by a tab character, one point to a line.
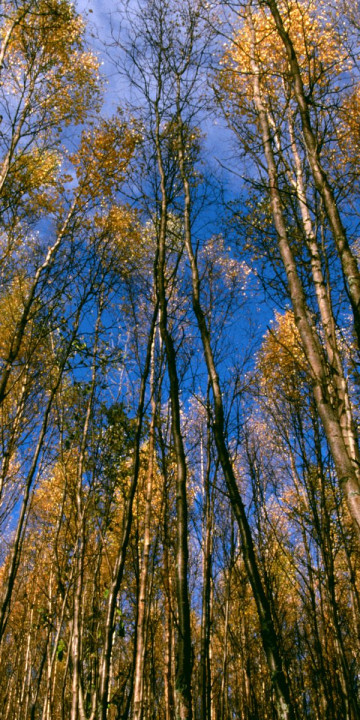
183	649
270	642
140	650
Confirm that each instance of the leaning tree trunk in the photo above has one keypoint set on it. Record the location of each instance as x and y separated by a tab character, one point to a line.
284	706
348	260
347	466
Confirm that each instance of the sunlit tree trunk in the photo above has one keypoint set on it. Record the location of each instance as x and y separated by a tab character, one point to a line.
338	388
26	686
348	260
224	685
77	705
52	657
347	469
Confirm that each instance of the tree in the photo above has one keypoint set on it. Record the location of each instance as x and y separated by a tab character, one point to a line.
176	541
264	96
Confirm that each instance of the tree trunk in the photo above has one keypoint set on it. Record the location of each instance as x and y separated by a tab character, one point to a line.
205	668
144	584
347	469
121	556
348	261
184	650
268	633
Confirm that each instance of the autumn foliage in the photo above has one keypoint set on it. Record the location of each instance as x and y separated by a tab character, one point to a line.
179	346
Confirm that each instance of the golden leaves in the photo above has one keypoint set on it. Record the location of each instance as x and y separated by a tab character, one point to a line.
49	26
11	309
257	43
123	238
71	90
48	81
348	130
45	63
104	155
36	175
281	360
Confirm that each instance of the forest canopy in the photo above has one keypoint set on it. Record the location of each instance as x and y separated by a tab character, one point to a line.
179	360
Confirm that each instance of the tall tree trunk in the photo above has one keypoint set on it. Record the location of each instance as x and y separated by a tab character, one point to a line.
348	468
183	650
268	633
169	704
77	703
127	524
15	554
338	389
205	668
348	260
144	584
223	699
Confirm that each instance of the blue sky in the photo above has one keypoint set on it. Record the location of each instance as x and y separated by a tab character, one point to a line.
219	144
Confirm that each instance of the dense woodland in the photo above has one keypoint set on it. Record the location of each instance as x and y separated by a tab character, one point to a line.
179	349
